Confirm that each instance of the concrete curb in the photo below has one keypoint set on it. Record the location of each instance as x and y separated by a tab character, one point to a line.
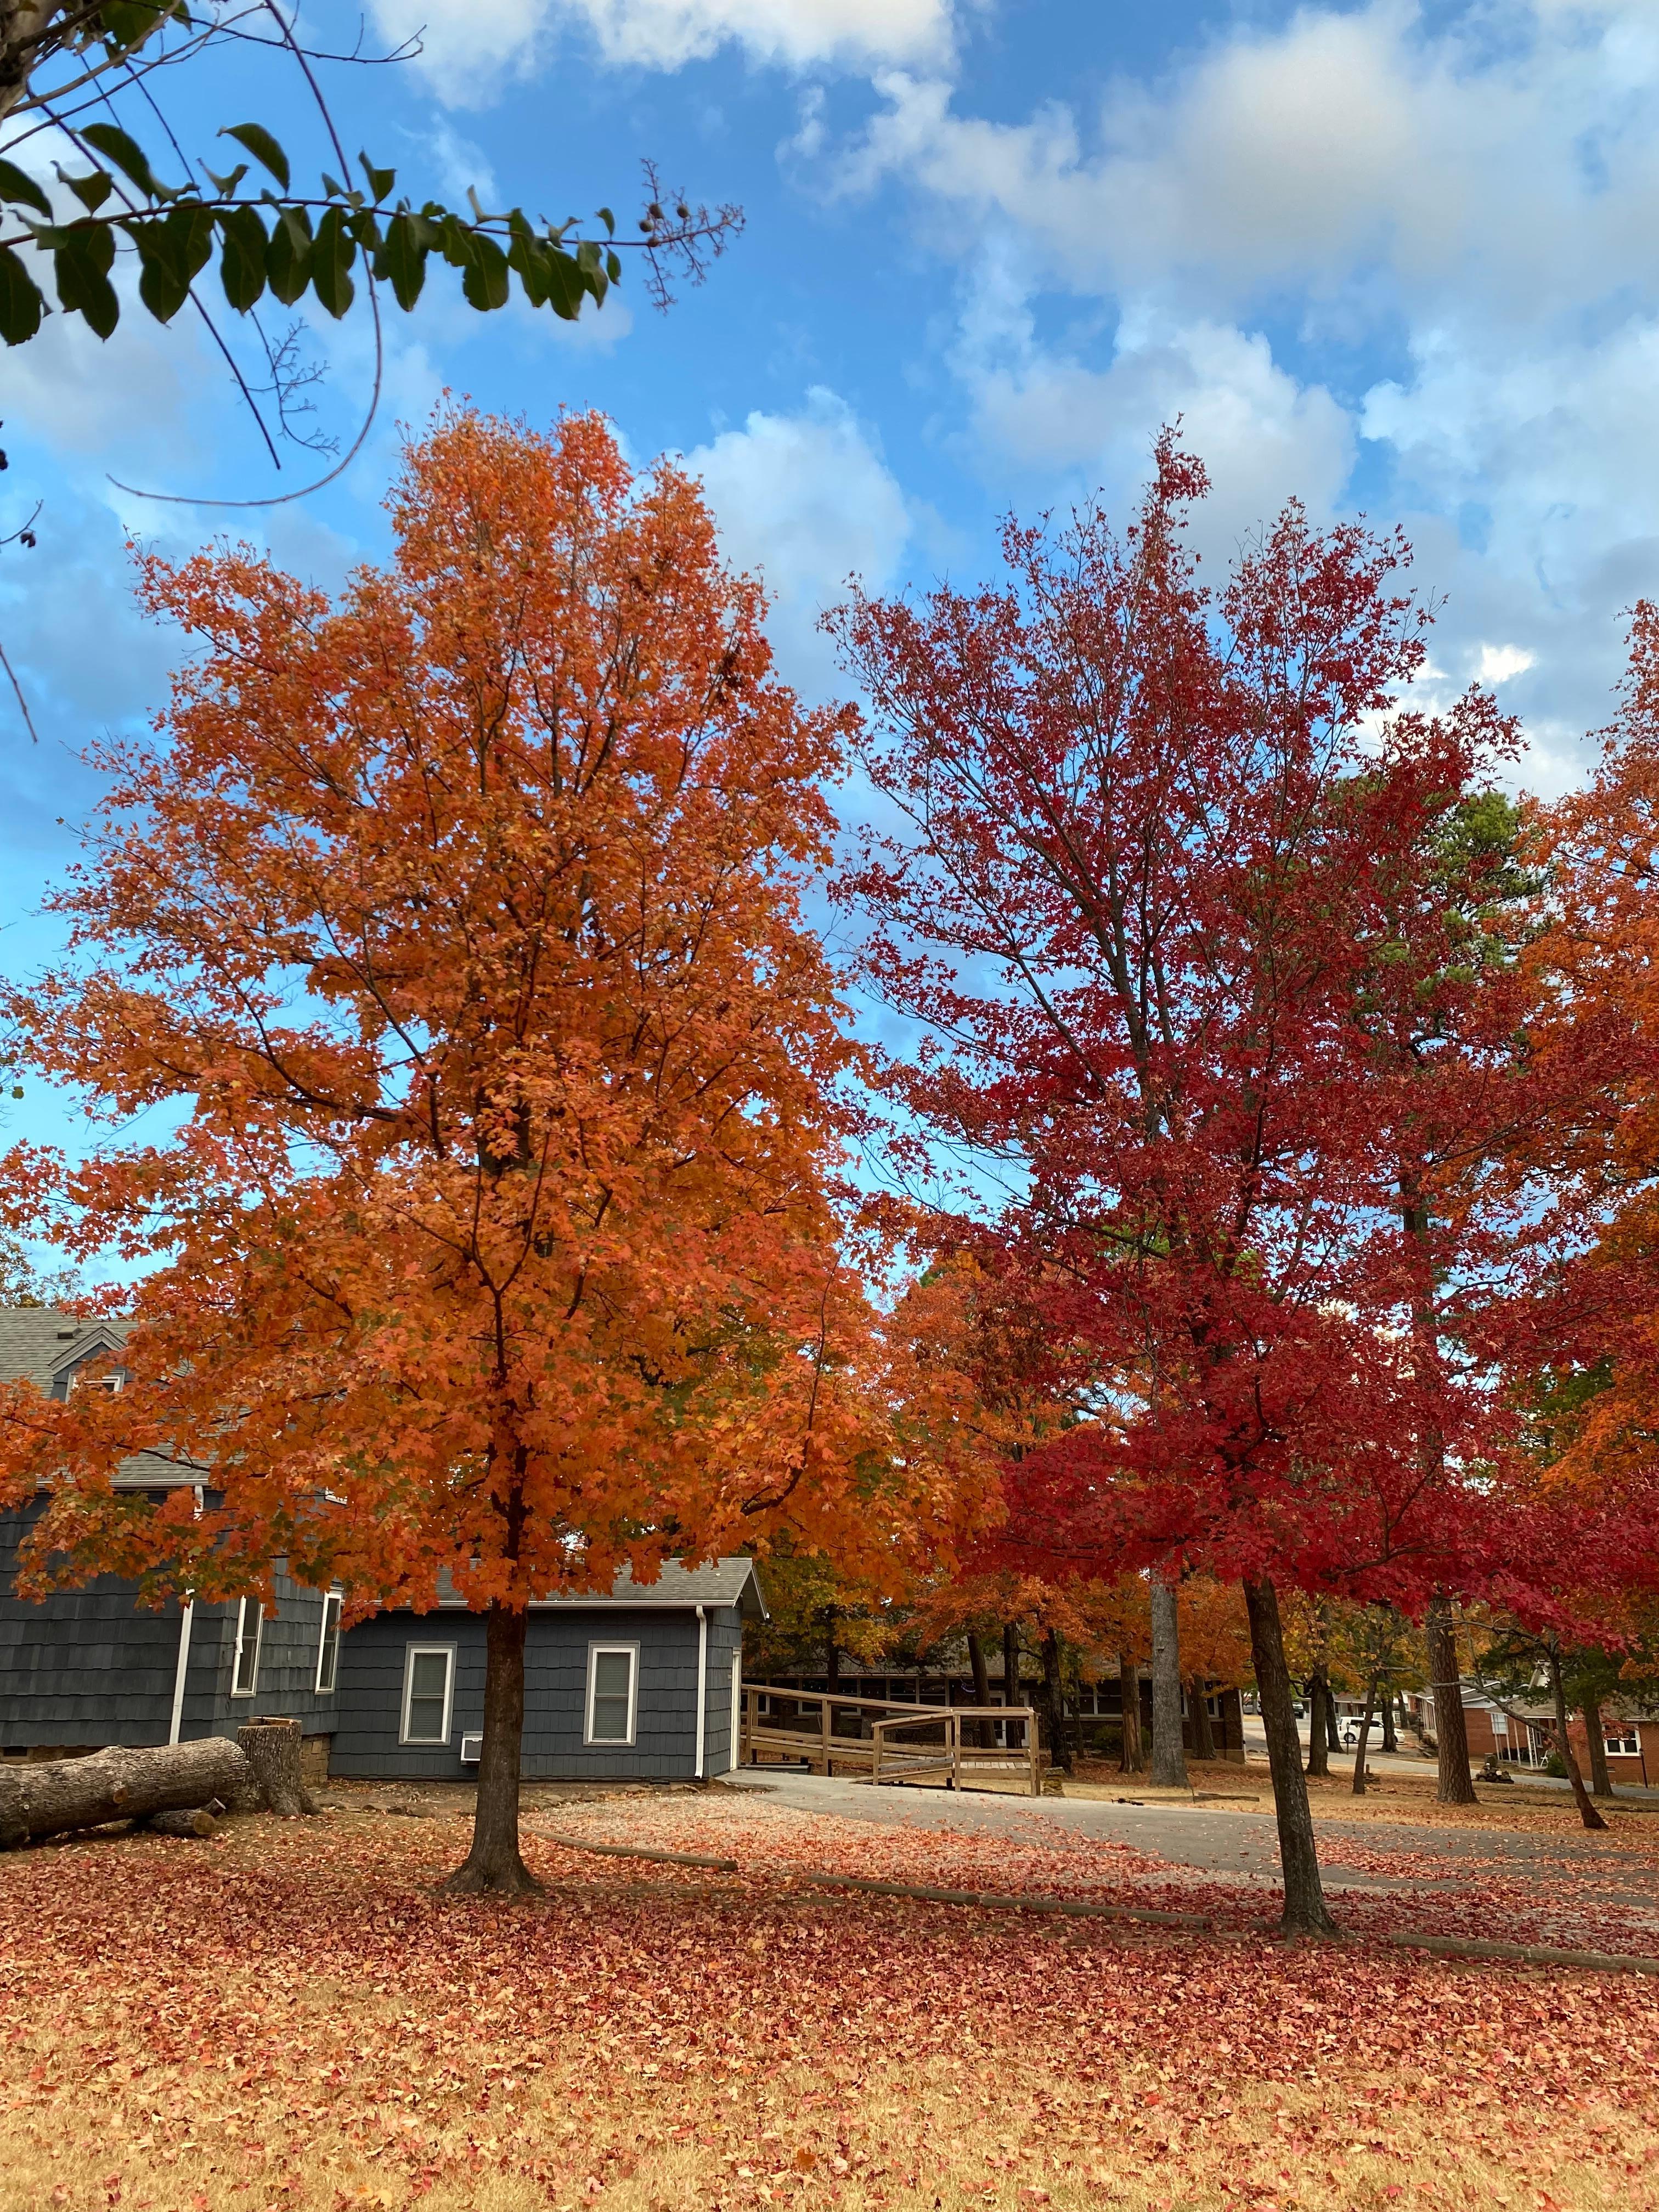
987	1900
1527	1954
657	1858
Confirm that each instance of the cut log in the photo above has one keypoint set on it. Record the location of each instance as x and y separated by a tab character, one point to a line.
201	1822
61	1795
272	1749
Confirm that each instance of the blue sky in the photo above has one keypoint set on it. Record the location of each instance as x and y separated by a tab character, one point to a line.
1391	258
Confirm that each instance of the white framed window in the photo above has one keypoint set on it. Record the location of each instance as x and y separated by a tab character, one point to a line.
1621	1740
111	1380
328	1647
429	1693
736	1708
244	1665
613	1681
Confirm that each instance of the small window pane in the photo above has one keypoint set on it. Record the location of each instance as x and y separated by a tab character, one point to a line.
610	1720
328	1661
247	1649
613	1676
428	1680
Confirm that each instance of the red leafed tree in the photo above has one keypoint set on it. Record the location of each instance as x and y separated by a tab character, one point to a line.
454	928
1137	896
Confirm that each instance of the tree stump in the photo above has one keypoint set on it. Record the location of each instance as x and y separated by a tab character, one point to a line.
272	1750
61	1795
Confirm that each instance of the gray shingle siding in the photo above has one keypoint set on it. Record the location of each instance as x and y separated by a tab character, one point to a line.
287	1682
724	1648
90	1666
84	1666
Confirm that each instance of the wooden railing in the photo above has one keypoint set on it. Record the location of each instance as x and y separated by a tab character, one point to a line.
967	1748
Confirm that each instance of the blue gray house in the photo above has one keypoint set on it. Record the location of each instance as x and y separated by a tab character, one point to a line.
639	1684
643	1683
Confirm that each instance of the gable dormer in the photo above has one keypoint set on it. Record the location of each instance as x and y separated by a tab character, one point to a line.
93	1350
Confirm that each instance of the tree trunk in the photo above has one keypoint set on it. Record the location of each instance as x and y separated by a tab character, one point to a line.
1053	1694
982	1730
1332	1732
22	26
1365	1738
1390	1740
1169	1756
1320	1702
1305	1912
1203	1734
1451	1733
1131	1758
1010	1663
272	1749
1587	1812
61	1795
492	1864
1600	1780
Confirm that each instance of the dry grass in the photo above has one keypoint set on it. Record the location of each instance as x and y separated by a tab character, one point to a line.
891	2138
288	2020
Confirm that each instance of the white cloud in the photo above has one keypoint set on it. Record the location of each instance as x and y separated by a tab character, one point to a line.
1547	461
458	164
1522	170
804	501
1473	191
1045	411
1497	663
468	45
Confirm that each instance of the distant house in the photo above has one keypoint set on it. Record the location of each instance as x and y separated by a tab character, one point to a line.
640	1683
1520	1732
1516	1733
1630	1742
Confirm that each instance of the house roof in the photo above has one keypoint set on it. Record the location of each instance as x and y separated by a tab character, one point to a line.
44	1344
718	1583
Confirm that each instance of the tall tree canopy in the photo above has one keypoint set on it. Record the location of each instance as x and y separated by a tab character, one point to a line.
1167	892
454	926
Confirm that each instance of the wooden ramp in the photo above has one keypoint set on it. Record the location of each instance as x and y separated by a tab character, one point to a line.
888	1741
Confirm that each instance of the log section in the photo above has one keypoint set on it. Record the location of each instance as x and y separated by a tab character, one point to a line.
61	1795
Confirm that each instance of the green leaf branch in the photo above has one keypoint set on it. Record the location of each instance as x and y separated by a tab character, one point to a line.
289	244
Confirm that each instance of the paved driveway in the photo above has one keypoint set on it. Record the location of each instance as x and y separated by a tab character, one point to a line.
1231	1843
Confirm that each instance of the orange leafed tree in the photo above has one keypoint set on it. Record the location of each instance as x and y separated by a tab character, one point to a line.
454	926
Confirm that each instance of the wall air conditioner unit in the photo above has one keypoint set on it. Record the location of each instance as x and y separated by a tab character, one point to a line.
472	1750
